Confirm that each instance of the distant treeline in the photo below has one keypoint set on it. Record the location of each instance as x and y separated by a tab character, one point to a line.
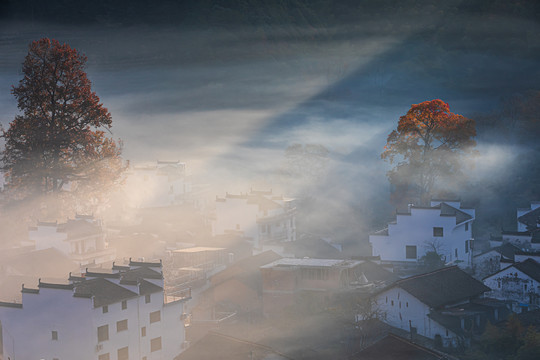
246	12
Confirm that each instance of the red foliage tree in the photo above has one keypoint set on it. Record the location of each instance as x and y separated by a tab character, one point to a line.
57	139
429	143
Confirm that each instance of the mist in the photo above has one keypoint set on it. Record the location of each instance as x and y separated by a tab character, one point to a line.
228	98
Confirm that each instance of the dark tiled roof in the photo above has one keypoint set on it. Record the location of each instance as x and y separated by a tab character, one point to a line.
146	287
441	287
103	291
140	273
393	347
79	228
530	219
529	267
461	216
507	250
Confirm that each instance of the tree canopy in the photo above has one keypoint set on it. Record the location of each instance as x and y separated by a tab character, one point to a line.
429	143
59	138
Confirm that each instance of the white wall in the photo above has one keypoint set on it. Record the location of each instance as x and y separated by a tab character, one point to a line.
416	229
512	284
407	308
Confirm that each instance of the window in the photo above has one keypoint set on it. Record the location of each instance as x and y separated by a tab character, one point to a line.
392	302
121	325
105	309
143	331
438	231
407	304
54	335
456	253
104	357
155	344
147	298
124	305
103	333
387	299
400	304
466	226
123	353
155	316
410	252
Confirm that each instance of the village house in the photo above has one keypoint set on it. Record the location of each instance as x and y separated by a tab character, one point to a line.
444	227
527	233
494	259
122	314
312	282
259	215
518	284
445	305
83	239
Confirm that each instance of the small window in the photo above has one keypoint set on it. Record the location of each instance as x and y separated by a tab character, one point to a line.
121	325
103	333
410	252
143	331
54	335
400	304
104	357
466	226
525	287
155	344
407	304
387	299
123	353
105	309
456	253
438	231
124	305
466	246
392	302
147	299
155	316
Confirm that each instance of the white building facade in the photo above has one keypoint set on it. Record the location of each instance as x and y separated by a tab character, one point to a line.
518	284
114	316
258	215
83	239
444	227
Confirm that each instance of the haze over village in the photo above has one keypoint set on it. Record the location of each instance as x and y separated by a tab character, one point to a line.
269	180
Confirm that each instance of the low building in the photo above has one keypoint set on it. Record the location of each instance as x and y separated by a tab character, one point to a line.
122	314
494	259
519	284
444	227
83	239
258	215
288	282
441	305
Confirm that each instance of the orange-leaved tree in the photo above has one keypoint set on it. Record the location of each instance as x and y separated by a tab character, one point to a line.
59	138
429	143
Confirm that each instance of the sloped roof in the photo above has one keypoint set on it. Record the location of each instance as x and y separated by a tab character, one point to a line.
529	267
77	228
103	291
49	262
247	268
146	287
443	286
507	250
393	347
140	273
530	219
461	216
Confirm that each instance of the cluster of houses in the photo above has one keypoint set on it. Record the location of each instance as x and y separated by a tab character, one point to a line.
254	266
